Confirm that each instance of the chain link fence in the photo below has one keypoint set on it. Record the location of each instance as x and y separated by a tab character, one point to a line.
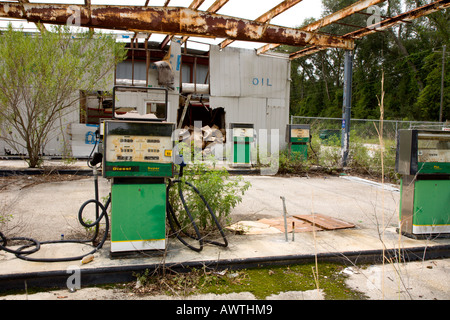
364	148
365	129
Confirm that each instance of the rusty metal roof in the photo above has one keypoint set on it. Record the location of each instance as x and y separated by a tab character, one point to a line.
209	19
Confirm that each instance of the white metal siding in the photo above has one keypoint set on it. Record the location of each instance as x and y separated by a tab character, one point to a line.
251	88
225	72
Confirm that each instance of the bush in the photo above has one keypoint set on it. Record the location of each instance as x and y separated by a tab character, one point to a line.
364	157
292	163
366	160
221	191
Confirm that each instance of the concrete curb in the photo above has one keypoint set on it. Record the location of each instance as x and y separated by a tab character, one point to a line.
109	275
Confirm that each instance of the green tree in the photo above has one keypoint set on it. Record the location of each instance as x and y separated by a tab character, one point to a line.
40	79
410	55
428	102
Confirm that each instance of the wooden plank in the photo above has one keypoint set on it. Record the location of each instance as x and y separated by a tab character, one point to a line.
325	222
252	227
300	226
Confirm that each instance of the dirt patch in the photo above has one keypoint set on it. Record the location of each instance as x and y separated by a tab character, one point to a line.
19	182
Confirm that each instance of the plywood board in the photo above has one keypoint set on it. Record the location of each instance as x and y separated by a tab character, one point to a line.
252	227
299	225
325	222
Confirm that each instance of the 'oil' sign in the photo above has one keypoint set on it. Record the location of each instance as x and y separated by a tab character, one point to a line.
261	82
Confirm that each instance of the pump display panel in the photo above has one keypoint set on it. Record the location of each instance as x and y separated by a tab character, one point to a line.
243	132
138	149
433	148
297	133
423	151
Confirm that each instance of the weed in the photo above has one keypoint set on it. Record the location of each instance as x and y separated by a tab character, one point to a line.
261	282
325	156
221	192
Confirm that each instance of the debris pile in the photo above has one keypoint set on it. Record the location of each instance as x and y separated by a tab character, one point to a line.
210	139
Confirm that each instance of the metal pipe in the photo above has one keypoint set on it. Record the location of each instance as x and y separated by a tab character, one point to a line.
285	220
331	18
171	20
347	105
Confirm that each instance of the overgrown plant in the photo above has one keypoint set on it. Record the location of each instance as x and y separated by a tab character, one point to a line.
262	282
222	192
364	158
292	163
377	161
40	79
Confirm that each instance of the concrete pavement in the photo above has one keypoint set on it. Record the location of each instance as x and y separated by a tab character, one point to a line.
44	211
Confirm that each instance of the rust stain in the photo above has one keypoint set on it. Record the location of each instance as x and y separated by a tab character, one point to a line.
403	17
329	19
389	22
280	8
171	20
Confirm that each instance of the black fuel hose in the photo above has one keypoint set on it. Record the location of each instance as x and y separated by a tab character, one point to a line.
24	254
175	226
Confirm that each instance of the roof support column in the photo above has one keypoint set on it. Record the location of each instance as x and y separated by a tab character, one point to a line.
347	106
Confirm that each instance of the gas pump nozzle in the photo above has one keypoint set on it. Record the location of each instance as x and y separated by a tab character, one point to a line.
96	159
179	160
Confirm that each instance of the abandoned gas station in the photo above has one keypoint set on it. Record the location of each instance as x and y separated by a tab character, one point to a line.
215	87
166	86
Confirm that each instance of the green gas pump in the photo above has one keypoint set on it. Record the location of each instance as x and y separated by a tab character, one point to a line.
297	138
423	160
242	137
137	147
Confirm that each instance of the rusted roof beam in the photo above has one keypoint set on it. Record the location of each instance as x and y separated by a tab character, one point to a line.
87	4
350	25
165	41
195	4
269	15
331	18
136	33
381	16
179	21
40	26
145	5
306	52
216	6
404	17
387	23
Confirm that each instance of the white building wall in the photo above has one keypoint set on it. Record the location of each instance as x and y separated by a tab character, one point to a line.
251	88
59	137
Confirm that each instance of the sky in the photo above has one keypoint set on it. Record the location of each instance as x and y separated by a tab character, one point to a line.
247	9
